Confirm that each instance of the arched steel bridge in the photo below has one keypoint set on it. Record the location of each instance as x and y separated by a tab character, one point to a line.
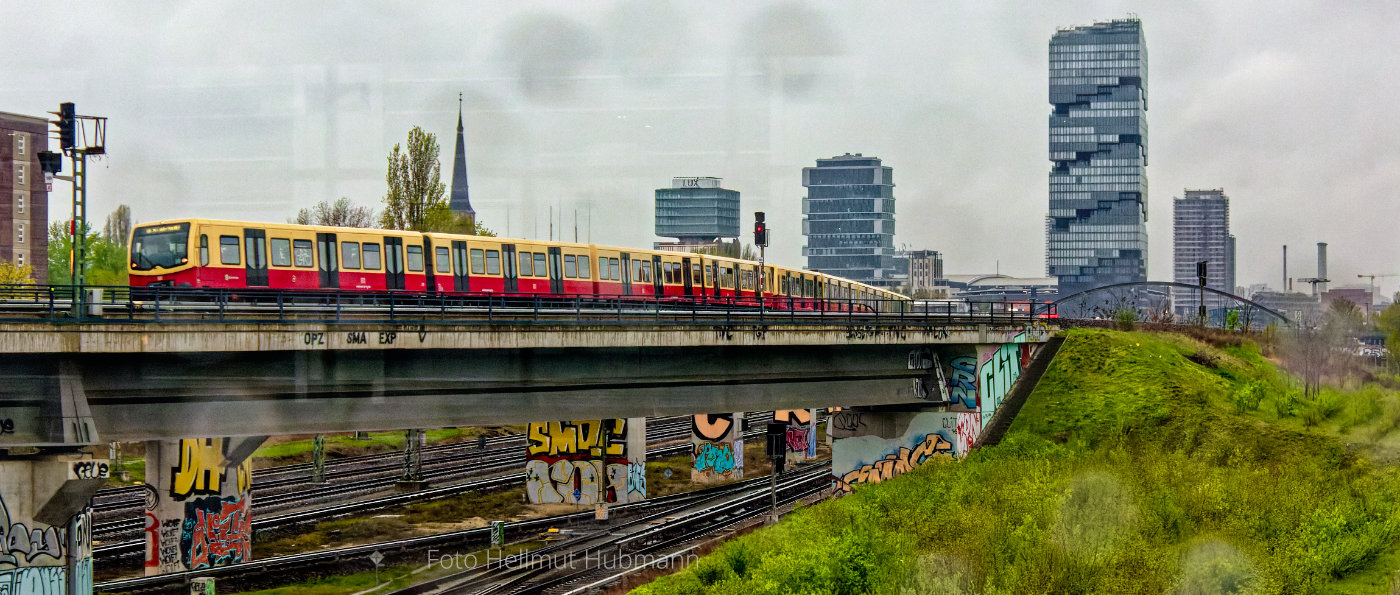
1137	284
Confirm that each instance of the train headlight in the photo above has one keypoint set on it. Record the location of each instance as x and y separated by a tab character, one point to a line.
184	260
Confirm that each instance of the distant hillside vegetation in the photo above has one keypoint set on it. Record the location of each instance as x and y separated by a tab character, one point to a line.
1143	463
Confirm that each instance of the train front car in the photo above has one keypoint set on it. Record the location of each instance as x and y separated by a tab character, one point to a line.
160	255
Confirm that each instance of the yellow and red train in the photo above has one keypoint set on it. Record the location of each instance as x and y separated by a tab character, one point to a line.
201	253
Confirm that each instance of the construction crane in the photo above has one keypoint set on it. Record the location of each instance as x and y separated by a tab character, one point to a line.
1373	288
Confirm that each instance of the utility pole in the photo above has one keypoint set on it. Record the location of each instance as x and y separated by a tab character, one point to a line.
72	140
760	239
1201	275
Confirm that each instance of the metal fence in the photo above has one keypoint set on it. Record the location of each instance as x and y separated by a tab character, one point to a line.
116	304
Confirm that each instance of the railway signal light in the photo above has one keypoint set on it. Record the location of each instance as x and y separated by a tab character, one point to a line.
67	124
760	229
50	162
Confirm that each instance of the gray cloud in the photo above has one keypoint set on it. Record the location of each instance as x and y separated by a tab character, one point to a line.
254	110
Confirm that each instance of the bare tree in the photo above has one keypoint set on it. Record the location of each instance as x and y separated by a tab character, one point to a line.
341	213
118	227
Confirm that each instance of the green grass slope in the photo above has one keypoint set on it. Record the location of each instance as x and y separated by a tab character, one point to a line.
1143	463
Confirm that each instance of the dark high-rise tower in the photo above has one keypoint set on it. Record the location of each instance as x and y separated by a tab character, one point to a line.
1201	231
850	218
1096	232
459	201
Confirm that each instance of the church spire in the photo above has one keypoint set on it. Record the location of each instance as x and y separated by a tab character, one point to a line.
460	201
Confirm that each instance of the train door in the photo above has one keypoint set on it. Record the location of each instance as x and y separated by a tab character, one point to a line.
556	276
430	283
393	263
687	276
327	261
461	281
510	273
255	251
626	273
657	277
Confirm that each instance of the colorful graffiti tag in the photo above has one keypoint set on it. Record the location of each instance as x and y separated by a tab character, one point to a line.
896	463
801	434
566	462
1001	366
216	532
969	428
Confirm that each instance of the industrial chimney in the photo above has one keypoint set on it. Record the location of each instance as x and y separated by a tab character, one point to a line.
1321	267
1284	288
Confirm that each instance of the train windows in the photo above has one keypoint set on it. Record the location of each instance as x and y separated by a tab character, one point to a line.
228	249
603	269
301	253
442	260
583	272
526	269
570	267
203	250
281	252
614	269
709	275
349	255
415	258
493	262
696	278
370	255
541	269
478	261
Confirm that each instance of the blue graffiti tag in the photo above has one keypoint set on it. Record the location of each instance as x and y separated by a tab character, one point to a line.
718	458
962	384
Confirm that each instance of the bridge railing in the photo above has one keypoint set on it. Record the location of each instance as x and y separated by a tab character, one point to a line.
163	304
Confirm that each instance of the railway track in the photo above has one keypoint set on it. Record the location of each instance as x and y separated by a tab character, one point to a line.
127	544
642	526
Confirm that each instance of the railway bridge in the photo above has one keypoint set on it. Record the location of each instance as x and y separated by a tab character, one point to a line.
204	391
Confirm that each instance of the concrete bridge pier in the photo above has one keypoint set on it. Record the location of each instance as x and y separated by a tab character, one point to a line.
591	462
801	435
872	444
198	503
45	523
716	447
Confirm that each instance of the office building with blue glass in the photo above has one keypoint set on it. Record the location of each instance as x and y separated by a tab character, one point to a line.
849	219
698	212
1096	232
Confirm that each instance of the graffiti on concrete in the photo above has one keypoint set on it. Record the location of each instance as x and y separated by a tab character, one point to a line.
896	463
34	556
969	427
216	532
565	461
717	458
801	434
712	426
636	481
962	382
21	545
1001	366
847	421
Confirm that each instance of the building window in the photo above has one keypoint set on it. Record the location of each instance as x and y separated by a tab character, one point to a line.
19	204
19	234
19	258
19	174
19	143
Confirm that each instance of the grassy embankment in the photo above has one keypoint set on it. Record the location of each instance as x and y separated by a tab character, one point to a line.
1142	463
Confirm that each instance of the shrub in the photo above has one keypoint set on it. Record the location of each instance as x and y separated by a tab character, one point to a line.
1286	403
1248	398
1125	319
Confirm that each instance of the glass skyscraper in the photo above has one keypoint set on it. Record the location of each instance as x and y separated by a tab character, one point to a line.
1201	231
1096	232
849	218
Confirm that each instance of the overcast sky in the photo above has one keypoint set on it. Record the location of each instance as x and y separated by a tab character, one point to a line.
254	109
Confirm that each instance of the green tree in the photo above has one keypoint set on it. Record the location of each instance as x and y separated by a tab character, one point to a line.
105	258
1389	323
731	249
415	183
341	213
441	219
1344	316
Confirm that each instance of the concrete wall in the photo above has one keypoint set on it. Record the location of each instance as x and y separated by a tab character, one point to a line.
717	447
563	461
45	530
801	436
872	446
198	506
